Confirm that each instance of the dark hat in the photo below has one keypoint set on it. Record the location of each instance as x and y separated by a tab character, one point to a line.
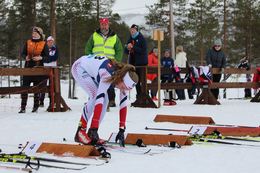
135	26
167	50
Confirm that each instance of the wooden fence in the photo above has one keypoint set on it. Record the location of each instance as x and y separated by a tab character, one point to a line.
206	96
53	88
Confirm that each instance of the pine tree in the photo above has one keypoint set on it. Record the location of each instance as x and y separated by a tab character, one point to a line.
245	23
3	18
203	24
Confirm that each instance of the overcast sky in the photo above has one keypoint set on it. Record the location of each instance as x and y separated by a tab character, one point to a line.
132	6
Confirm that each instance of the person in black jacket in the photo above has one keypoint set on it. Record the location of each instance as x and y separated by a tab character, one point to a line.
216	58
136	49
35	52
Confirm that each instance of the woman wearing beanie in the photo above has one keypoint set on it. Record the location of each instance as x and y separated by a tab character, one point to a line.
35	52
216	58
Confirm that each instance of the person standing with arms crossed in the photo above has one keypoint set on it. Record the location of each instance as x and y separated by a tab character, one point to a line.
216	58
105	42
136	48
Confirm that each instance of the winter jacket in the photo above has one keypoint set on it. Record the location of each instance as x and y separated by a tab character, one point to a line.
98	42
34	48
216	59
152	61
53	56
256	77
168	63
138	55
180	60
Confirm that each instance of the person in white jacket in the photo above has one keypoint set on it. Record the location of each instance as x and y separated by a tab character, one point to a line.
181	62
180	59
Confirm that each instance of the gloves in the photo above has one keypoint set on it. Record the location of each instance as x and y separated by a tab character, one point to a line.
93	134
121	137
37	58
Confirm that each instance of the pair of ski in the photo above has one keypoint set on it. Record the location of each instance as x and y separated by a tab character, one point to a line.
213	138
34	163
136	149
139	147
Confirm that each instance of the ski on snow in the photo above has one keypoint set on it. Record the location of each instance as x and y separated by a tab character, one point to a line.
34	163
29	170
196	134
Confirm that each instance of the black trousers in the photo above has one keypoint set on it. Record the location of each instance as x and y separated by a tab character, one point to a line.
27	80
154	91
216	78
138	86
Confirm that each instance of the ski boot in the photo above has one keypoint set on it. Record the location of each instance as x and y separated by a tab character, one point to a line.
82	137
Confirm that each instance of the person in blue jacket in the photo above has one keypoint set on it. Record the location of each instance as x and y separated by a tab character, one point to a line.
52	62
136	48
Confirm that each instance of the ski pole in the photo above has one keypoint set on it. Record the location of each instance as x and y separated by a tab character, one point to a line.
163	129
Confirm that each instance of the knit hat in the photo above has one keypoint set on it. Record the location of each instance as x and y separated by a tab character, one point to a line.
135	26
217	42
128	81
104	21
39	31
50	38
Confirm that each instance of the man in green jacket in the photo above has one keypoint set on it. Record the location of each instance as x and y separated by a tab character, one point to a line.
105	42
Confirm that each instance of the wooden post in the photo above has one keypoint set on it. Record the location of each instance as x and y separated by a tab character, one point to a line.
57	89
159	36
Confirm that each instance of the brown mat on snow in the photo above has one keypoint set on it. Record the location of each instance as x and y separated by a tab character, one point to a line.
157	139
68	150
235	131
184	119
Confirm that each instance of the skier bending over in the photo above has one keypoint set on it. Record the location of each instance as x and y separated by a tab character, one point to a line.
96	74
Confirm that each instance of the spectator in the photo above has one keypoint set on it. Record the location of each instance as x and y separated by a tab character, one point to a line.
181	62
52	62
216	58
256	78
35	52
137	56
167	62
95	76
153	61
105	42
248	93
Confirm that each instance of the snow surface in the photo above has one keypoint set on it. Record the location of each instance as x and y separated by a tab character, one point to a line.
198	158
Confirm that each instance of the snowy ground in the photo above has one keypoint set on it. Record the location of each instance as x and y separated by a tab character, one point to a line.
198	158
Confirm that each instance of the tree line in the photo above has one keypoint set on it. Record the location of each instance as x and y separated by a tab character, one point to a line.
236	22
196	25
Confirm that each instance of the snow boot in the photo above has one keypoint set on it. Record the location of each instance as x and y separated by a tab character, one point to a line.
35	109
169	102
22	110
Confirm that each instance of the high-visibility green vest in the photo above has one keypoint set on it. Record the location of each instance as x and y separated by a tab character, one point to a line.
104	47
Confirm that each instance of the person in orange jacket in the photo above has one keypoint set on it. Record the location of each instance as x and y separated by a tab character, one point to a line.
153	61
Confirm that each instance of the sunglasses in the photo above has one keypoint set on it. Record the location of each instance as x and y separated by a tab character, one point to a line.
217	45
